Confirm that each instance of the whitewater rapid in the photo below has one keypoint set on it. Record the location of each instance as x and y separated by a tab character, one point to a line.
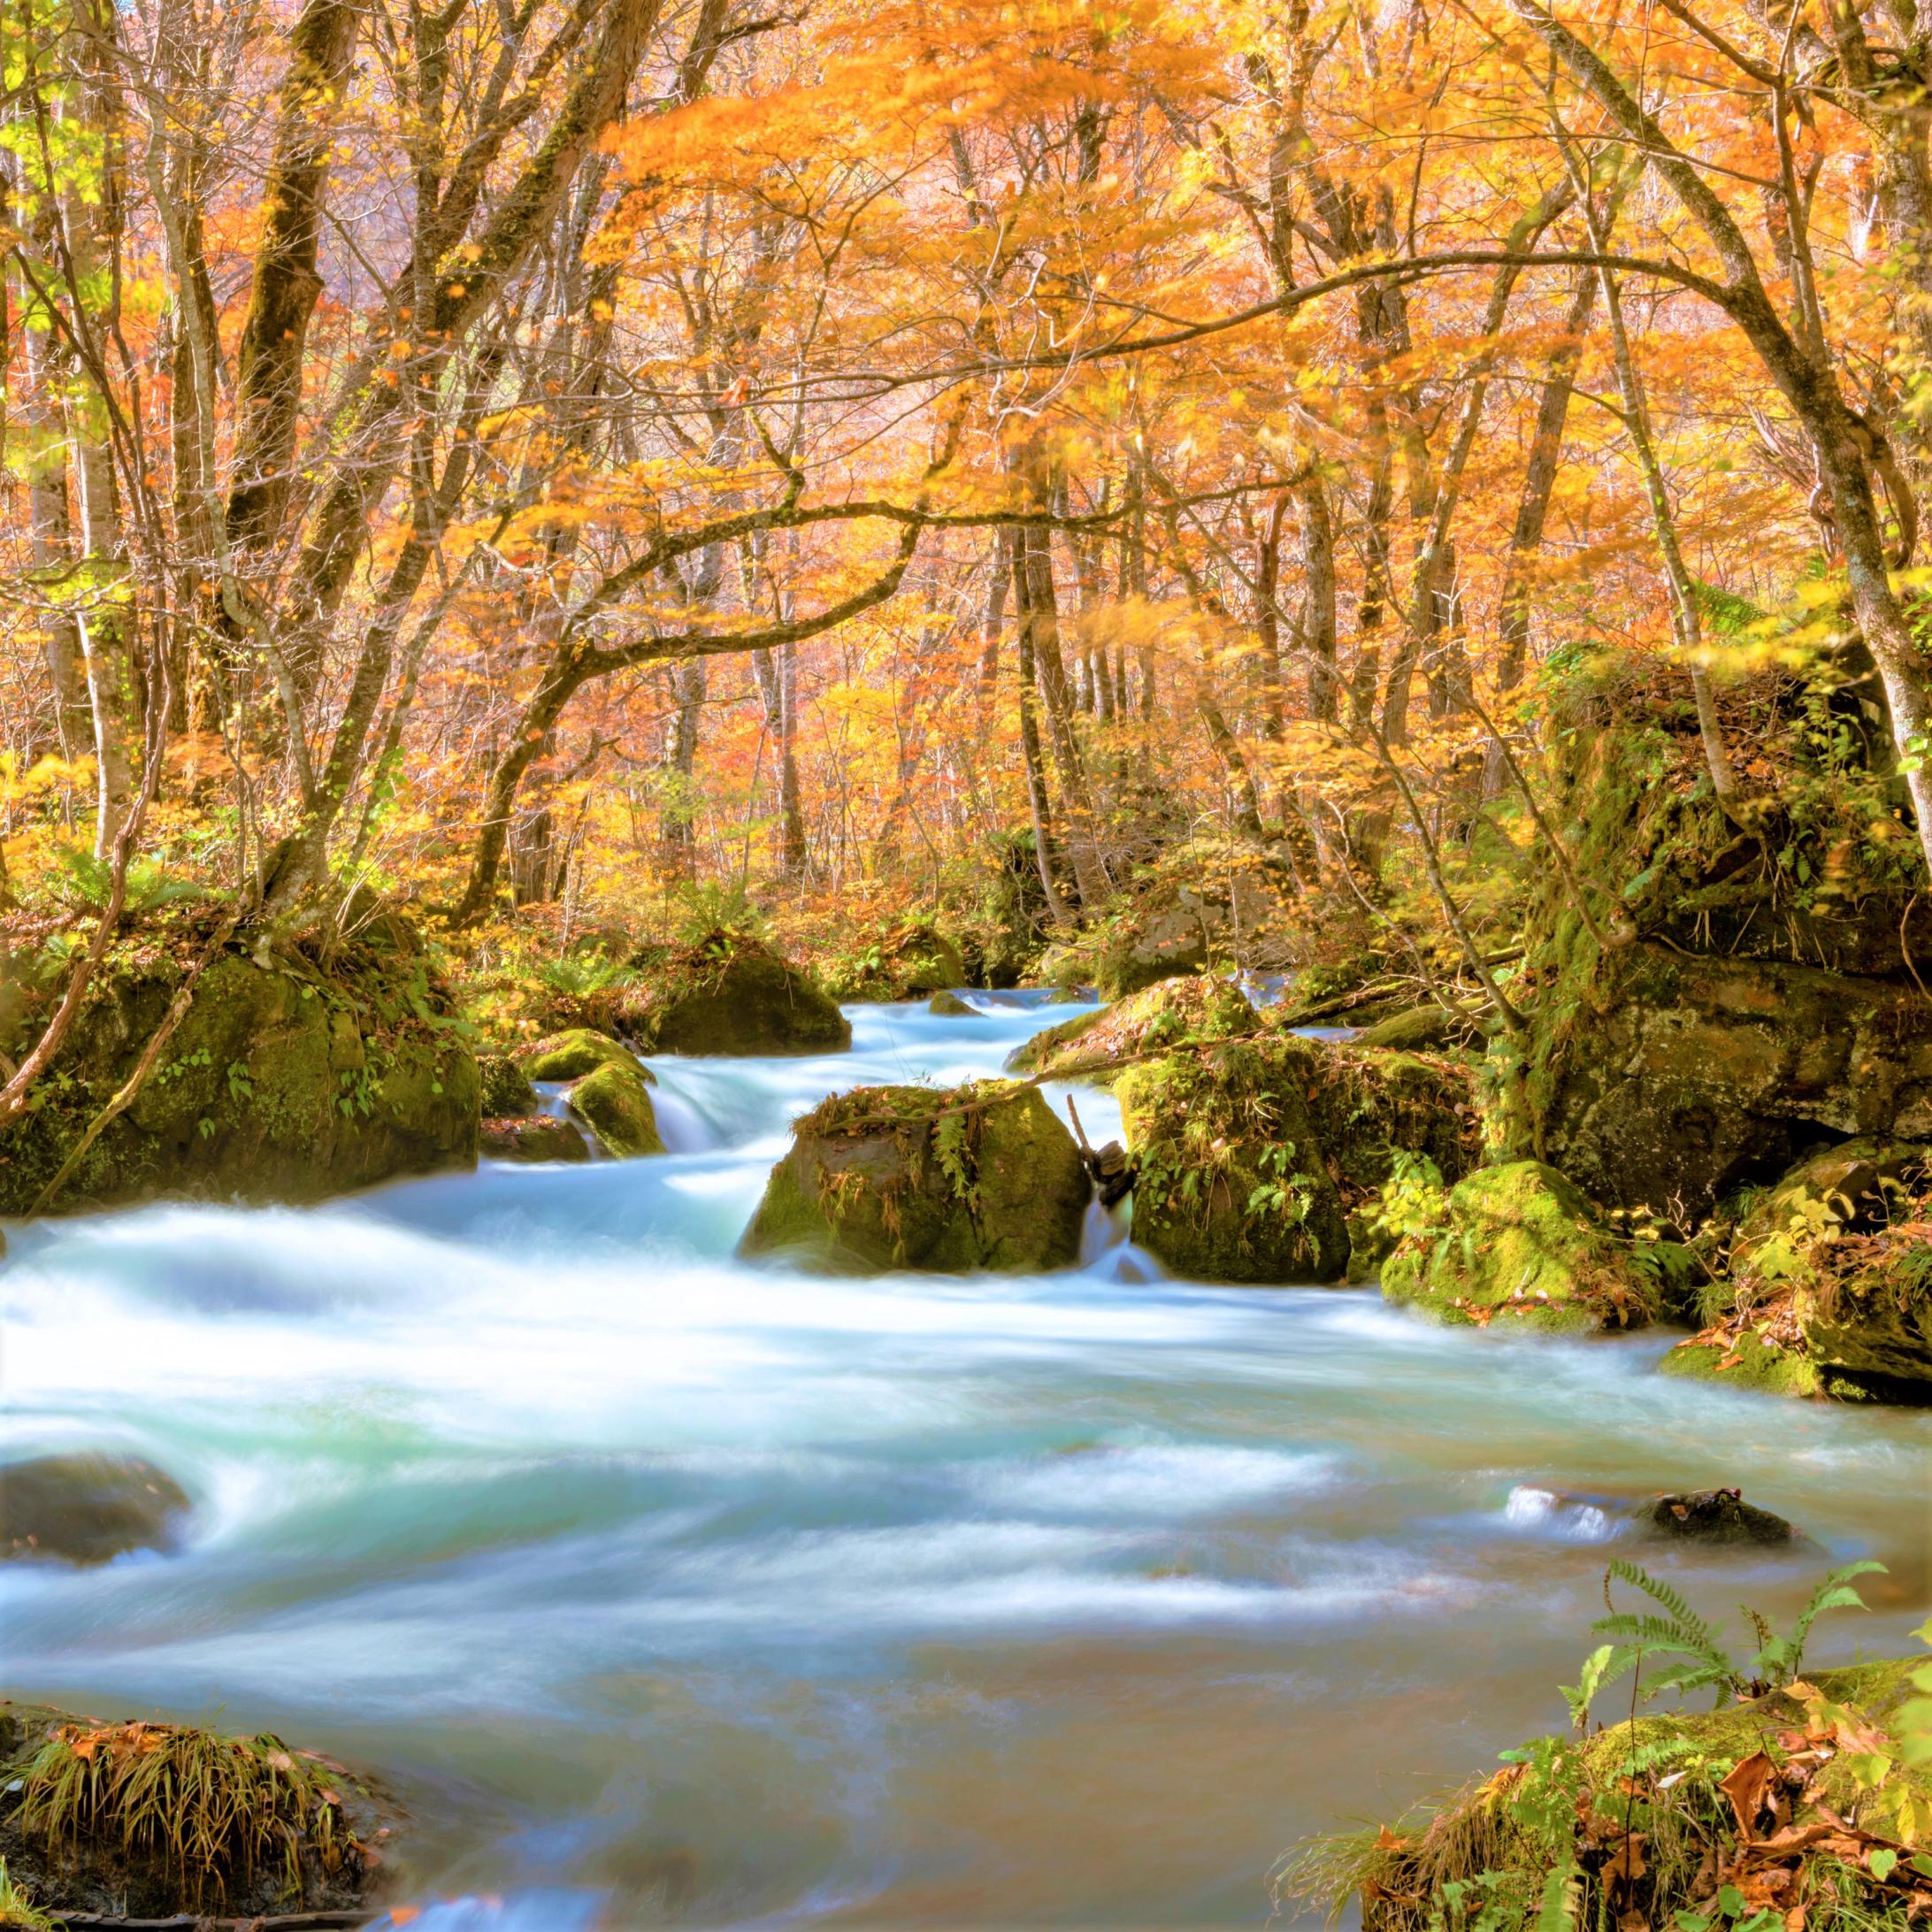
671	1588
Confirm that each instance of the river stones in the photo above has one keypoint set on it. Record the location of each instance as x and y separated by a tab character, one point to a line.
977	1176
949	1006
907	962
534	1139
1096	1045
730	993
88	1508
1520	1244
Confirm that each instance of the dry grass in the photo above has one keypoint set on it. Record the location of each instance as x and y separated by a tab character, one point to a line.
214	1809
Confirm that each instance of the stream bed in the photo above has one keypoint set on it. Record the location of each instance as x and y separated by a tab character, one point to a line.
673	1589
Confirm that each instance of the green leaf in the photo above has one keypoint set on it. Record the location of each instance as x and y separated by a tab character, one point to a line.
1881	1862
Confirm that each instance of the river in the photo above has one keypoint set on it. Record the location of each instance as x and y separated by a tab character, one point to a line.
670	1588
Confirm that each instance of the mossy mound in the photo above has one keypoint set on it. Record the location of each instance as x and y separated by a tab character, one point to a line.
300	1071
570	1055
1094	1044
153	1821
88	1508
1368	1104
730	993
1422	1030
506	1091
534	1140
1831	1293
949	1006
615	1104
1232	1184
1795	1807
1520	1243
978	1176
908	961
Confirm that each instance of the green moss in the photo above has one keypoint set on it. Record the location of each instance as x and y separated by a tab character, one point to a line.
1521	1244
570	1055
908	962
284	1081
1750	1361
506	1091
949	1006
977	1176
1160	1015
1232	1184
1428	1029
615	1104
1368	1104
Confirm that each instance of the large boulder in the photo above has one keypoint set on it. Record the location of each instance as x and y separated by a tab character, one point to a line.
299	1071
1519	1243
1093	1045
507	1093
87	1508
248	1827
1259	1156
1231	1184
1679	1077
978	1176
729	993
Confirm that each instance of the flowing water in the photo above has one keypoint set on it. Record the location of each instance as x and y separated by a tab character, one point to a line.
672	1588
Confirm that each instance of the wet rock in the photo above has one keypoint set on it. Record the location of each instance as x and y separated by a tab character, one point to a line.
1520	1243
285	1831
507	1093
87	1508
949	1006
570	1055
534	1139
1719	1515
730	993
615	1104
1157	1016
977	1176
286	1080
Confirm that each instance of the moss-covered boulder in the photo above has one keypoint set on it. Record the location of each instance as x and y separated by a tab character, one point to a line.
1752	1356
1716	1516
1422	1030
300	1070
1094	1045
730	993
534	1140
949	1006
1798	1805
978	1176
249	1828
1231	1183
87	1508
615	1104
912	961
1519	1243
570	1055
506	1091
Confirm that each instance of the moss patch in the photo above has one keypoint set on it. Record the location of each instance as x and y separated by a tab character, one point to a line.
1160	1015
977	1176
507	1093
908	962
1521	1243
570	1055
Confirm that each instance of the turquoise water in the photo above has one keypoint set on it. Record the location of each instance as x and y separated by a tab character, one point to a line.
673	1589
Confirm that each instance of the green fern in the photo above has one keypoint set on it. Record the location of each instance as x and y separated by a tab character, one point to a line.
1782	1657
